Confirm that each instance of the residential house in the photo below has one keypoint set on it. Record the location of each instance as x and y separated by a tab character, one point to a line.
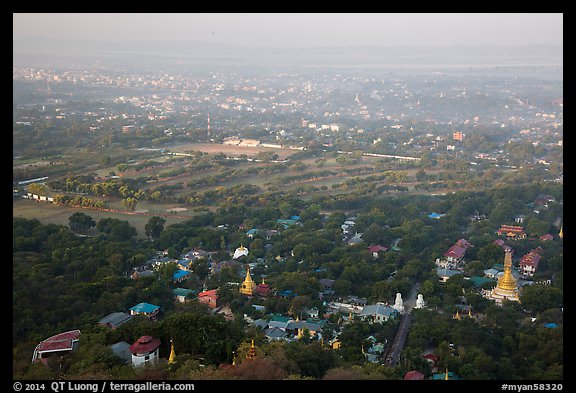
491	273
209	298
275	334
375	250
455	253
505	247
252	232
150	310
356	239
181	275
377	312
122	350
115	319
444	273
182	294
298	327
57	345
327	291
529	262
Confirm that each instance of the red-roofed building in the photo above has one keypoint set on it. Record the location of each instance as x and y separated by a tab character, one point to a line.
56	345
511	232
413	375
457	251
505	247
529	262
145	351
546	237
376	249
432	359
263	289
209	297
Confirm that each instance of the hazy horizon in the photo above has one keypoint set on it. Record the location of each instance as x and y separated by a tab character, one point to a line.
294	39
299	29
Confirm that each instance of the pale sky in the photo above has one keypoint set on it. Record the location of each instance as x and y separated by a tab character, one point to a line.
300	29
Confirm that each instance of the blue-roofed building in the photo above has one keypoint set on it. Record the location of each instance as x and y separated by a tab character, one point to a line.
550	325
435	215
287	293
250	233
180	275
150	310
286	223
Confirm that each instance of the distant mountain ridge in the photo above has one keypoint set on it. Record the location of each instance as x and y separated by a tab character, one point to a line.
328	55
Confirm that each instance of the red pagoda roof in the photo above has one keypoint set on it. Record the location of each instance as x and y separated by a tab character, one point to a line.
263	289
145	344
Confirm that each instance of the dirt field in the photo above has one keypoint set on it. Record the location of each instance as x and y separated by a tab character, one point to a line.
232	150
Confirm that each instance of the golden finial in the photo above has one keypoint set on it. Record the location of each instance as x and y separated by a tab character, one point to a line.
470	312
172	358
252	353
446	376
561	234
456	316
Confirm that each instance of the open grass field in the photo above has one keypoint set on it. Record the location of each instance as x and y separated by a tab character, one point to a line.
48	213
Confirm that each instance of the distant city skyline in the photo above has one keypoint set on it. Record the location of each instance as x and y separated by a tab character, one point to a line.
284	30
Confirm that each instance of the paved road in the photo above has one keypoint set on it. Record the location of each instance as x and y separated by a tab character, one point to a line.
393	355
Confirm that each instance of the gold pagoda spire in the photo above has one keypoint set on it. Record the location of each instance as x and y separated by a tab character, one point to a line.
446	376
507	282
252	353
561	234
248	287
456	316
172	358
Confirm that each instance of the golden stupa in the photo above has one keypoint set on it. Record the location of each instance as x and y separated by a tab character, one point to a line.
172	358
506	287
248	287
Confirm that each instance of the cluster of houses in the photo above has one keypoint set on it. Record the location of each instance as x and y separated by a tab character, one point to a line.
452	261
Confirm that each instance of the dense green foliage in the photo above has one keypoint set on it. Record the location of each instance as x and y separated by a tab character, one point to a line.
63	281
